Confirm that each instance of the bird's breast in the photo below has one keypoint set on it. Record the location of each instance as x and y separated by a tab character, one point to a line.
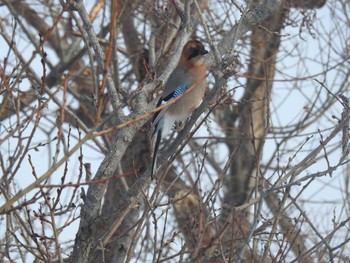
188	101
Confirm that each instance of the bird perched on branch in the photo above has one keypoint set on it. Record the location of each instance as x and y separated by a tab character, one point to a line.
185	87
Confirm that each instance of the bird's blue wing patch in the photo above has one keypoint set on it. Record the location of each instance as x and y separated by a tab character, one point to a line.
180	89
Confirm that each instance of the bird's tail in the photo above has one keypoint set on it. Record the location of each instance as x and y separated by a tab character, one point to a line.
155	152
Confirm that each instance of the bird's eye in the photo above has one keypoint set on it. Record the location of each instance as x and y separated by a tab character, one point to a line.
192	52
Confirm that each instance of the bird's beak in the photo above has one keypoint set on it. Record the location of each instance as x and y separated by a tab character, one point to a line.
204	51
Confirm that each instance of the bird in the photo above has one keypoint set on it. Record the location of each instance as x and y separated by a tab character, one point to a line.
188	80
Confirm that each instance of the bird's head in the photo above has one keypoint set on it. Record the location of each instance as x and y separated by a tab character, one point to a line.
193	53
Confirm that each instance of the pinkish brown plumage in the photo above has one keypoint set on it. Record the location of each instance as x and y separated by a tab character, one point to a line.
190	76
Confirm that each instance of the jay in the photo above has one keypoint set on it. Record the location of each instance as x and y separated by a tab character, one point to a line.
188	83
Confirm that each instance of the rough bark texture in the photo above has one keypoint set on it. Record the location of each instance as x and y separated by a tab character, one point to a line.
247	124
112	210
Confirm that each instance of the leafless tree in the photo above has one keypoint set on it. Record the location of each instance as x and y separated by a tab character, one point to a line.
250	177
